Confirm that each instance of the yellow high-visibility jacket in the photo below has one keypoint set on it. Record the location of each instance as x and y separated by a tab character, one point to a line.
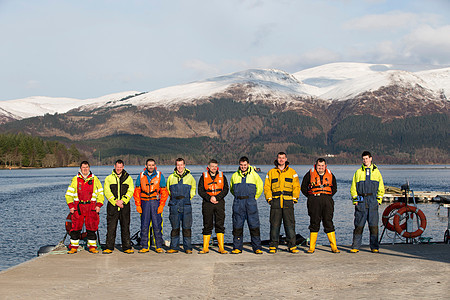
251	179
367	186
119	188
282	185
77	188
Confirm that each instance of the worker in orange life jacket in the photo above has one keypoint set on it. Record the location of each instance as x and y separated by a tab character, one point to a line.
319	186
150	196
213	187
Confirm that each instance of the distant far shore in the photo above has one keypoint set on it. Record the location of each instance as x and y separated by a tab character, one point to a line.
390	166
28	168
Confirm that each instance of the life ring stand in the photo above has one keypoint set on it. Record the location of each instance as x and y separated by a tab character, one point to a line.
387	214
402	231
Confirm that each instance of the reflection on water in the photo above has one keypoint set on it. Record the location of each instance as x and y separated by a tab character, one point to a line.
33	207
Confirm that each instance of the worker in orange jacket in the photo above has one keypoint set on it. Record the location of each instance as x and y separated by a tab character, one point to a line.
150	196
319	186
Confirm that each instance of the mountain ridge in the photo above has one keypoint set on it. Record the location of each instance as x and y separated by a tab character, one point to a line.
329	83
261	112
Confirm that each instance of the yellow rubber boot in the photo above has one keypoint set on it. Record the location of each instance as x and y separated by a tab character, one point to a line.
72	251
332	239
312	242
206	239
220	241
73	248
294	250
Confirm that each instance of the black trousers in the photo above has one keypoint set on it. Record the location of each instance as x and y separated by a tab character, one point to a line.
321	209
113	215
213	215
76	235
286	215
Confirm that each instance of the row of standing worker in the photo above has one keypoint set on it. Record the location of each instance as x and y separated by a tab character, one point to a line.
85	196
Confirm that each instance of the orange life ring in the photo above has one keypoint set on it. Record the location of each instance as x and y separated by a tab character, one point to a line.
387	215
420	215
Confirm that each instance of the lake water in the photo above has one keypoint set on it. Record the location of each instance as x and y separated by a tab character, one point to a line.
33	208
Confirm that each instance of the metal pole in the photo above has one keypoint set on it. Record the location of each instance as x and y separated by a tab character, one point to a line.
406	204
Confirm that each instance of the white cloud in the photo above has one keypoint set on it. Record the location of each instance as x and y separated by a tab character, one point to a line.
200	67
274	61
253	3
32	84
428	45
424	45
287	62
385	51
394	20
320	56
81	49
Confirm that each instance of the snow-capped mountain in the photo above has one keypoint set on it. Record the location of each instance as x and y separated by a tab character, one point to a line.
39	105
335	108
281	86
437	79
343	81
330	83
35	106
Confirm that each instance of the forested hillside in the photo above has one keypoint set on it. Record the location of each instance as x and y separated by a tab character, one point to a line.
224	129
21	150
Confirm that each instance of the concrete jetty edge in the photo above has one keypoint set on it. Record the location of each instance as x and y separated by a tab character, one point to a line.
416	271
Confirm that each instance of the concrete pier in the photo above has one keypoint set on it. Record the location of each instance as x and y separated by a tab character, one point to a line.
412	271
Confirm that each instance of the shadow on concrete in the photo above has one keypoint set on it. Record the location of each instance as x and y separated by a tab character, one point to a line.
432	252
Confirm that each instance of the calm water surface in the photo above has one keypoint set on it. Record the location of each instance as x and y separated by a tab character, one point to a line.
33	208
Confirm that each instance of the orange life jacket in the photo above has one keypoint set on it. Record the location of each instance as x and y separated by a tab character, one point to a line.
317	187
213	187
85	189
150	191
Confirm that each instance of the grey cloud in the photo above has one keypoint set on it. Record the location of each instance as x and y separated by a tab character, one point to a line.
262	33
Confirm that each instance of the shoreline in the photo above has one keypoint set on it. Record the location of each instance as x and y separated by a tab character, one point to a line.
387	166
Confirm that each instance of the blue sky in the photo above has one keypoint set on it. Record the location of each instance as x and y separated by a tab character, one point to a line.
86	49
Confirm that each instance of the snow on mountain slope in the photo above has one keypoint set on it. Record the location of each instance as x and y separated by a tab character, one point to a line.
336	81
439	79
36	106
371	82
339	71
341	81
319	80
39	105
261	82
